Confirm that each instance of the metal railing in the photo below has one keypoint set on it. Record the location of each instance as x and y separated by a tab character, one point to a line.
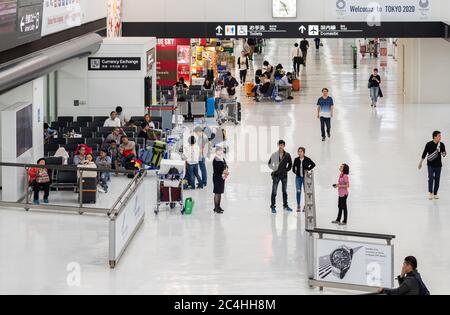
81	209
112	213
312	230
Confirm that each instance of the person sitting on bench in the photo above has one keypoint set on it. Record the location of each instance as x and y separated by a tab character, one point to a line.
39	180
286	85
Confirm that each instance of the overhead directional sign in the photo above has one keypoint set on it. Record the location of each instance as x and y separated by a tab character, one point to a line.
302	29
284	29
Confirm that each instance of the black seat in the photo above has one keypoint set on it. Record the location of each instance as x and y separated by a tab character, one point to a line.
54	160
106	129
195	88
137	118
98	123
100	118
99	134
92	141
129	129
57	141
76	141
57	125
67	119
87	134
50	147
85	119
70	129
70	147
78	124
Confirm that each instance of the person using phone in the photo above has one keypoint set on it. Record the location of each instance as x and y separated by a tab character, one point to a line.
342	186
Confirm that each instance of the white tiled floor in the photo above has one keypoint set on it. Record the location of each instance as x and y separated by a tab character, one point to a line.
247	250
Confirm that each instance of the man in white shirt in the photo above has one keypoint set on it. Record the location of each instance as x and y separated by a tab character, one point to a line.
192	156
297	58
285	85
113	121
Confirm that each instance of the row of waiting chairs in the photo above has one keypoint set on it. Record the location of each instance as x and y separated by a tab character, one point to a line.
72	144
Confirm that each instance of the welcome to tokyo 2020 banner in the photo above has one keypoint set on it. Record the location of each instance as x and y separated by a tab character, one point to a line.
383	10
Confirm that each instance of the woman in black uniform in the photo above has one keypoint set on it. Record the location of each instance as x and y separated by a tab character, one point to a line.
221	173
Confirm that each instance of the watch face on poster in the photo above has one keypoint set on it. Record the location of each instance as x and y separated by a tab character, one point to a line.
284	8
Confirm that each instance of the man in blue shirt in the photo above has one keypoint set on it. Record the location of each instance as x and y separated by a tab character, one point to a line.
325	108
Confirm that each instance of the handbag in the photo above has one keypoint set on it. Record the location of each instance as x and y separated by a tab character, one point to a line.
275	173
433	156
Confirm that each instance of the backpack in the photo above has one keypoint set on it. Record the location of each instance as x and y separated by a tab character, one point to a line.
423	288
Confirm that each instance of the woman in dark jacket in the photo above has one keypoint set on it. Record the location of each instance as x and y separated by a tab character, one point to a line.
302	164
221	173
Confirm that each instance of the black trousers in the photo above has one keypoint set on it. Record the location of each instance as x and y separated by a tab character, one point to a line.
243	75
297	62
38	187
275	182
325	122
342	204
305	56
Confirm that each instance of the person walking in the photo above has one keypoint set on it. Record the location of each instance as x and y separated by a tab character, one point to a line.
302	165
434	151
343	186
220	174
374	86
304	46
410	280
280	163
297	59
325	110
243	67
317	41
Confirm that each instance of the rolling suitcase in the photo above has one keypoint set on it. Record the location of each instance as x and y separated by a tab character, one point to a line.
89	190
249	87
145	155
296	85
210	107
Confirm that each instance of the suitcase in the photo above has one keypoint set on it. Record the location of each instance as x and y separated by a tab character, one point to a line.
210	107
89	190
249	87
170	194
296	85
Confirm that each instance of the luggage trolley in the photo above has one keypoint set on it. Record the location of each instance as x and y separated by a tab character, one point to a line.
169	185
228	110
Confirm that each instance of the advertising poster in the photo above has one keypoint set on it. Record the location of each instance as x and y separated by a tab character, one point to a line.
184	55
354	263
60	15
384	10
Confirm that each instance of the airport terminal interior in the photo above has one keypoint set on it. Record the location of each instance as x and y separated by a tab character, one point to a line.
153	232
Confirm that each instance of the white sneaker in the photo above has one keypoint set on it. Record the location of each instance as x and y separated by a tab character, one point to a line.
436	197
100	189
431	197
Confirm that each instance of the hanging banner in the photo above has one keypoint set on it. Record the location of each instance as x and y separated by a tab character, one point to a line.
60	15
114	24
354	263
383	10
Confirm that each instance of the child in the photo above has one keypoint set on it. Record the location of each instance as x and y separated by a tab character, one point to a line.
113	152
104	161
343	185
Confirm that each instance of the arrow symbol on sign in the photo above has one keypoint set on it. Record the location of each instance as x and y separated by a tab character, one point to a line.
219	29
22	24
302	29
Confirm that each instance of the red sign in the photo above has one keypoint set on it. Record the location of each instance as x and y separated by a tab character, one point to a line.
168	71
